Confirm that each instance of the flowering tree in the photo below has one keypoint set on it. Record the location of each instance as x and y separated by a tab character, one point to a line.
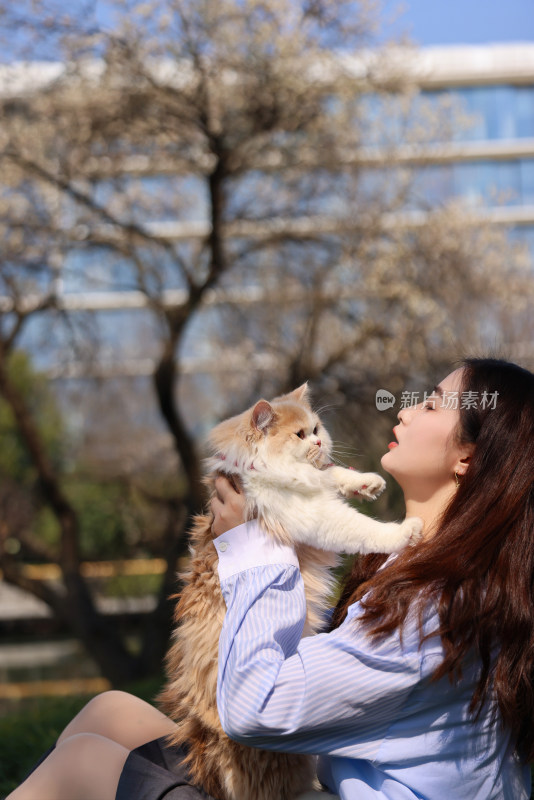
236	165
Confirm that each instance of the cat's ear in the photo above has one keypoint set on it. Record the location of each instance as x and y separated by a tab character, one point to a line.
262	415
301	393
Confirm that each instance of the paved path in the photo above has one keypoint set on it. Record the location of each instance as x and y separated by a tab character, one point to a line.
19	691
17	604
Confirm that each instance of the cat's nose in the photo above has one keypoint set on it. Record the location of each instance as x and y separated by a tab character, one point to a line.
318	442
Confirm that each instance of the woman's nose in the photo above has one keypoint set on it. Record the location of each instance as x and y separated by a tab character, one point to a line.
404	413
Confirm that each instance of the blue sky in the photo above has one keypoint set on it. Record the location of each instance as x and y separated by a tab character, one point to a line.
425	22
435	22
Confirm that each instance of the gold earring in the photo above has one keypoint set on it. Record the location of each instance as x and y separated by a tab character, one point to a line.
457	479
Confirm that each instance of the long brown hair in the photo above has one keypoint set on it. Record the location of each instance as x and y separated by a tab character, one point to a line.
479	566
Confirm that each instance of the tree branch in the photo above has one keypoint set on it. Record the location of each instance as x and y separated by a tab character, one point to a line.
85	200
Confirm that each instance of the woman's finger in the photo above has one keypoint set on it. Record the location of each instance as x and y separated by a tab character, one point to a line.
224	488
216	505
227	506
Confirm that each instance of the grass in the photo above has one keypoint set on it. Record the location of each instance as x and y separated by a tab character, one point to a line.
29	727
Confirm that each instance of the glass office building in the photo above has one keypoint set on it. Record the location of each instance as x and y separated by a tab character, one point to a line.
489	163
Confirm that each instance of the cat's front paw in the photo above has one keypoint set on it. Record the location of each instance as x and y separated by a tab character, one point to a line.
372	485
412	530
351	483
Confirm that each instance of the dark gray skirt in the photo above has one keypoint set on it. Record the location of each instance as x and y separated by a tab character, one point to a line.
156	772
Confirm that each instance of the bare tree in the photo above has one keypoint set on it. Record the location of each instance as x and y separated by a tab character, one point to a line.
205	146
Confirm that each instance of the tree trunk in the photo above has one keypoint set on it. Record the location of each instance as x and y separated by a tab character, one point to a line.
159	624
165	378
75	607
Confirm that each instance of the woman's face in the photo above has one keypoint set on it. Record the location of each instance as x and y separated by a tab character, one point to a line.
425	453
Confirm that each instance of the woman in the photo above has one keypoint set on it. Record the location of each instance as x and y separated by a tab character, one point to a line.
424	688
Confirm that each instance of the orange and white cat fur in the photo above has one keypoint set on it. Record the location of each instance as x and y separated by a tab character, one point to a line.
280	453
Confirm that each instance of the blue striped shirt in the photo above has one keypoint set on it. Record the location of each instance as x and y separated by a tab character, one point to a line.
369	709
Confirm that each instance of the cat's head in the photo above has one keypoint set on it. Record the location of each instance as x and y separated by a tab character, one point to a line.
283	428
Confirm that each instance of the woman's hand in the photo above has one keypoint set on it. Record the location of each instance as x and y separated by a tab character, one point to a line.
227	505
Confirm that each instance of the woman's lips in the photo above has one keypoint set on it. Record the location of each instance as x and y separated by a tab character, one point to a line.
391	445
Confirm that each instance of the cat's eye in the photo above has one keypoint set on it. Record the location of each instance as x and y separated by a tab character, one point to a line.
316	430
301	434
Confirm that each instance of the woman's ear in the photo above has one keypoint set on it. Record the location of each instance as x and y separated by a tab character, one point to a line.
462	464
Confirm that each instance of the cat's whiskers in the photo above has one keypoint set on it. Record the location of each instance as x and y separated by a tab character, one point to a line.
327	407
339	451
339	444
337	460
345	452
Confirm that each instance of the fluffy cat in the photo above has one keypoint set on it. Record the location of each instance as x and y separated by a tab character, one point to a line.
280	452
